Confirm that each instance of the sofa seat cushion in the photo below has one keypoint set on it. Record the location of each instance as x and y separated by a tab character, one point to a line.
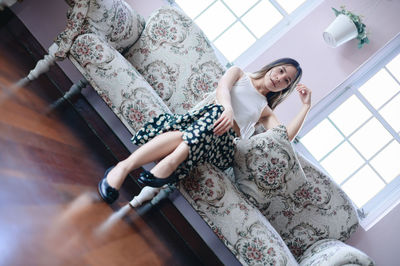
176	59
300	202
124	90
236	222
333	252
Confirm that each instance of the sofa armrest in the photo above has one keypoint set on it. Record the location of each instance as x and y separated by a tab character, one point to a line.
241	227
125	91
267	162
299	201
330	252
75	18
112	20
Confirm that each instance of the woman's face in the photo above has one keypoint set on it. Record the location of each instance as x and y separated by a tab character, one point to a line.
279	77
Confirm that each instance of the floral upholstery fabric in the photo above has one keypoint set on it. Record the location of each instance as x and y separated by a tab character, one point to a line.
300	202
268	161
114	21
236	222
176	59
329	252
284	203
124	90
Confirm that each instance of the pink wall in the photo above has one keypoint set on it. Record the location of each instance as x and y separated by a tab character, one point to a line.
146	7
381	242
324	69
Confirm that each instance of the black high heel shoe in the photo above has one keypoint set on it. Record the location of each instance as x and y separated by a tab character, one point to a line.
107	192
148	179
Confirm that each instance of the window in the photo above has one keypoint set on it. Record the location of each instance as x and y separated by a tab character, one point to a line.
355	135
251	25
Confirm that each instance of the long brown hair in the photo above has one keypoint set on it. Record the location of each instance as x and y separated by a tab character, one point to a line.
275	98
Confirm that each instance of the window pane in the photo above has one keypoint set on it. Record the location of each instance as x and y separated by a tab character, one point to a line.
215	20
342	162
290	5
363	186
350	115
321	139
394	67
370	138
379	89
262	18
239	7
387	162
193	8
391	112
237	35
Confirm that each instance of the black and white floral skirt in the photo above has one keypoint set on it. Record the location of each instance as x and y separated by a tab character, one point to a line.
197	127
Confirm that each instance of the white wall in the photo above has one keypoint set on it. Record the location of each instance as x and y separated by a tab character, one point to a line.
324	69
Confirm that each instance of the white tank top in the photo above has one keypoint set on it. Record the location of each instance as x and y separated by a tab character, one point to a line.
247	104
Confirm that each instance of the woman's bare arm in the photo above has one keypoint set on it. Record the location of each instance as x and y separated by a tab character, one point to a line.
269	119
225	121
295	125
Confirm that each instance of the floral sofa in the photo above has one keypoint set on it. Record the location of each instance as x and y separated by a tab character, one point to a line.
274	207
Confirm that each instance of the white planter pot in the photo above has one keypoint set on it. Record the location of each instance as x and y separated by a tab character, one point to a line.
341	30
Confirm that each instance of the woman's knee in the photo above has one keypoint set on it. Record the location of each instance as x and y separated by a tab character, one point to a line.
178	155
174	135
184	148
179	134
168	140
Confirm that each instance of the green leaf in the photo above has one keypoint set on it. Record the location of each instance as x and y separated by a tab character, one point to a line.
337	12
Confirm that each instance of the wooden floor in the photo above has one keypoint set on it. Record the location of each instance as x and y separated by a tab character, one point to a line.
50	213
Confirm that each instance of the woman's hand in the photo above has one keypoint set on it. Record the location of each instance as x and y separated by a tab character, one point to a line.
304	93
224	122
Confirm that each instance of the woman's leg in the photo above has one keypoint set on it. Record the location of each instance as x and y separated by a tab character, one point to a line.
171	162
157	148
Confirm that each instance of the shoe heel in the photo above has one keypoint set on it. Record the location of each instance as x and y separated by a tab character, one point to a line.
148	179
107	192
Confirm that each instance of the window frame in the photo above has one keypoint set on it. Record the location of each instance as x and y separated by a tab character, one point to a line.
263	43
389	197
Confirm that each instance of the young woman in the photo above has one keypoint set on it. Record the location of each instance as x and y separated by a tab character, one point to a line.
181	142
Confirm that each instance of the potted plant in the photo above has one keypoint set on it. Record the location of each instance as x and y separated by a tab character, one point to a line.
345	27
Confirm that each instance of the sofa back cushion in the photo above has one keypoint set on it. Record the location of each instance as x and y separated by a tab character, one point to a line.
176	59
123	89
299	201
